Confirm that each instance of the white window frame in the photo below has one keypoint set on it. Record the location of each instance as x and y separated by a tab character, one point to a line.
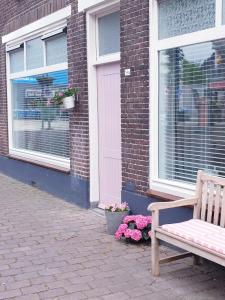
92	32
87	4
156	45
53	22
107	57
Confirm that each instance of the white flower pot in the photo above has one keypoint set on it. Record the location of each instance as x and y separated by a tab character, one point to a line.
69	102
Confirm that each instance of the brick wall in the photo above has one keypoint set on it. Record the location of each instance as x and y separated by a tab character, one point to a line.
18	13
135	93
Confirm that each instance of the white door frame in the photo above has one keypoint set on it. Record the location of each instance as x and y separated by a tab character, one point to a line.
93	61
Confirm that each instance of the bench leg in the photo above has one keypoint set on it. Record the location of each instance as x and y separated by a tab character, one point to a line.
197	260
155	256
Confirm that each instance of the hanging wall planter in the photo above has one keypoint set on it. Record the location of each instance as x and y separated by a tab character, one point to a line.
69	102
66	98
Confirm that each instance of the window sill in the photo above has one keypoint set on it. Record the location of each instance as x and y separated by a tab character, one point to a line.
173	190
105	59
162	196
40	164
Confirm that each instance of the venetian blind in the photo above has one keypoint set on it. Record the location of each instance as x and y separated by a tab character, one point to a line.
39	126
192	111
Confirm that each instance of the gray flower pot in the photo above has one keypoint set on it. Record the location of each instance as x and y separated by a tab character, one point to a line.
114	219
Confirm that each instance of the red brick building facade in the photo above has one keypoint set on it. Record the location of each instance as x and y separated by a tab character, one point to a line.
134	50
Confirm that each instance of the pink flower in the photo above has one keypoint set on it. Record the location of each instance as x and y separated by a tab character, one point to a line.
117	207
149	219
48	103
128	219
128	233
124	206
118	235
114	207
141	222
61	94
122	228
136	235
150	233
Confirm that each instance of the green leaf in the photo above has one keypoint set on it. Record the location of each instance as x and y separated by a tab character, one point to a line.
132	225
145	235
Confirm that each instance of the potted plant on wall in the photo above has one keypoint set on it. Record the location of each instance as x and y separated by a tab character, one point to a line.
66	97
114	216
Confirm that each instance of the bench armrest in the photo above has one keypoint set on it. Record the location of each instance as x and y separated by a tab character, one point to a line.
172	204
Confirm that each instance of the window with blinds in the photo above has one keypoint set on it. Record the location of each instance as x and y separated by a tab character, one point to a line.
192	111
38	69
38	124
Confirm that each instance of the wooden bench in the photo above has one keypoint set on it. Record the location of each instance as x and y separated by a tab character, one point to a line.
202	236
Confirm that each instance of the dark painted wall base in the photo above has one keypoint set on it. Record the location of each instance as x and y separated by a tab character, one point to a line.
71	188
139	204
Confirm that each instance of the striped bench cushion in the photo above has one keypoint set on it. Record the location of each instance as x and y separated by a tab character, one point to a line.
202	233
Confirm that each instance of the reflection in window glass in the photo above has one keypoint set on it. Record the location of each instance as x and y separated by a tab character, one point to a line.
16	60
34	51
56	49
38	124
192	111
223	12
109	34
178	17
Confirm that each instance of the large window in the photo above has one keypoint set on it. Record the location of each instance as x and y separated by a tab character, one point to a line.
39	129
190	126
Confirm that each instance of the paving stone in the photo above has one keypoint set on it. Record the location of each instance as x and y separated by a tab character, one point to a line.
27	297
97	292
116	296
52	293
73	296
34	289
10	294
77	287
17	284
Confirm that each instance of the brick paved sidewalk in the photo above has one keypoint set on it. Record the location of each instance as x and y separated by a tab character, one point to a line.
50	249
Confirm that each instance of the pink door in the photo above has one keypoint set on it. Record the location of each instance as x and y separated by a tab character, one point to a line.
109	116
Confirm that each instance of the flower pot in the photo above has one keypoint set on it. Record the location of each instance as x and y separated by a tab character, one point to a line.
69	102
114	219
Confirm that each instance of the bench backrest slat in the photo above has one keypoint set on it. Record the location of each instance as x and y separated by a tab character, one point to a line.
210	202
204	201
222	218
217	205
210	191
